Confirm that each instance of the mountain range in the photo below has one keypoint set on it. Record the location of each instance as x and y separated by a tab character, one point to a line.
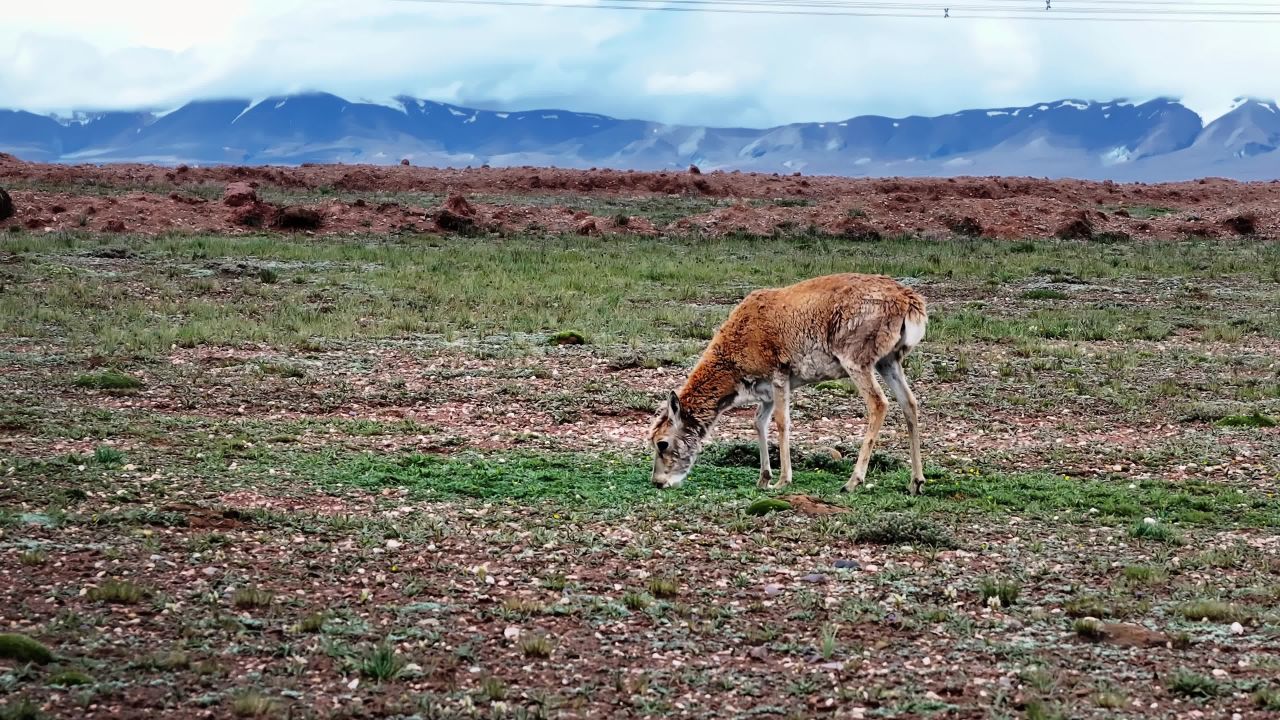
1158	140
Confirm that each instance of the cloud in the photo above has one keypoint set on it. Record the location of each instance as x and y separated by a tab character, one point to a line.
60	55
692	83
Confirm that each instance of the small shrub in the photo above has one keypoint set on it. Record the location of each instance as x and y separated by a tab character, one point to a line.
1252	420
1193	685
32	558
108	380
1110	700
621	220
1005	590
521	606
382	663
22	708
1089	628
246	598
1267	699
118	592
23	649
536	645
1087	606
567	337
903	530
1145	574
635	601
283	370
106	455
1157	531
828	642
253	704
856	213
1040	710
1213	611
664	588
313	623
1044	294
70	678
268	276
493	689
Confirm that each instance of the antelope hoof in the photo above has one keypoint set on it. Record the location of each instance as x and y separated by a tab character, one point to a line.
765	479
916	487
849	487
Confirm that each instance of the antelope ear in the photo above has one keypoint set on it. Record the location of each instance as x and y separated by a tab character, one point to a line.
673	405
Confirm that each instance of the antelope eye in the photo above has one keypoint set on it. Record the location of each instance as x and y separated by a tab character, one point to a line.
663	445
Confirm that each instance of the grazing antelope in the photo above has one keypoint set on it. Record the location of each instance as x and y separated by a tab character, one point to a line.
780	339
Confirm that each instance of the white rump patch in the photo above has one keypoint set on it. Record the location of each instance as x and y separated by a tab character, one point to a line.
913	331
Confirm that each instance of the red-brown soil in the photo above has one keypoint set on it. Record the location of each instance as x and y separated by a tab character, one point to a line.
151	199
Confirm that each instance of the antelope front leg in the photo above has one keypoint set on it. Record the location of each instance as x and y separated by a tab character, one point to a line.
762	432
782	418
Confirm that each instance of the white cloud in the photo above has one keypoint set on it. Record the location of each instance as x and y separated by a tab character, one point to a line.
692	83
677	67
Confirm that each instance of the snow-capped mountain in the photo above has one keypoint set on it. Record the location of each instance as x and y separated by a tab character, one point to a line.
1155	140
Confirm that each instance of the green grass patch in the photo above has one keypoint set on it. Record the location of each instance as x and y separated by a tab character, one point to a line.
107	380
21	648
622	483
1005	590
1252	420
1044	294
1193	685
382	663
117	592
1215	611
1155	531
70	678
613	290
764	506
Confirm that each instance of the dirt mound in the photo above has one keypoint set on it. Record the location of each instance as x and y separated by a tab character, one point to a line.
763	204
458	205
810	505
238	194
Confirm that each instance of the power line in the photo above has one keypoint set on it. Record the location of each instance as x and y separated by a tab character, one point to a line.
1091	11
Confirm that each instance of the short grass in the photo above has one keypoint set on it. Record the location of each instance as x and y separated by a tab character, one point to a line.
614	290
376	481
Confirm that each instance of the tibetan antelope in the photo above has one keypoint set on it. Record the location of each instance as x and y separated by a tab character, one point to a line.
780	339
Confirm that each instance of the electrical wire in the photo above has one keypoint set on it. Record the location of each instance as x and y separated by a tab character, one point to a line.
1129	11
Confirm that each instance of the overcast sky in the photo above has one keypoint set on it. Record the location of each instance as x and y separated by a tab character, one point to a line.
57	55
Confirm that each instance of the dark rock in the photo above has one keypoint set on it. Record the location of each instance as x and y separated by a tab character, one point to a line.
814	578
6	205
965	226
1079	227
299	218
847	565
1243	224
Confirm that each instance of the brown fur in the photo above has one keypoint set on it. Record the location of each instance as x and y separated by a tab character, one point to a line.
782	338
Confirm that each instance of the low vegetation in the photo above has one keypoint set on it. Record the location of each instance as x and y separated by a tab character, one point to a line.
289	475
